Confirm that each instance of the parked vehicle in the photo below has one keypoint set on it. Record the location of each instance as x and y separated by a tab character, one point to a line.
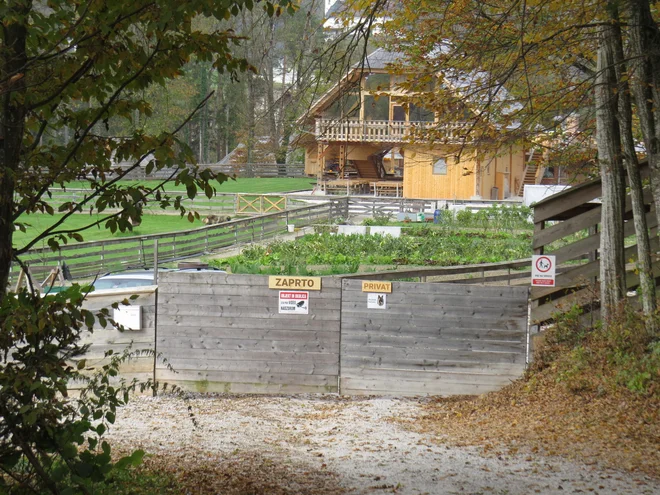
127	280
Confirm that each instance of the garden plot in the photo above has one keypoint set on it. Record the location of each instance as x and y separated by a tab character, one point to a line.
330	444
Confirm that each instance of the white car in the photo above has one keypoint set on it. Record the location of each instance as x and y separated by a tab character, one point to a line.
127	280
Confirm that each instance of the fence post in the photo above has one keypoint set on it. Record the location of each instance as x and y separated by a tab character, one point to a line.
206	241
156	262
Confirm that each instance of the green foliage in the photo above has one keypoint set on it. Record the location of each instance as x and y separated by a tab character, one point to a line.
77	108
378	219
50	442
422	245
601	358
495	217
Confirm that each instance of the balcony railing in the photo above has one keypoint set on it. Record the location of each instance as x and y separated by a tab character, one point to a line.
389	131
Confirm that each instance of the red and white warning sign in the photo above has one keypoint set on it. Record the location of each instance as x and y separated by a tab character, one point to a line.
543	270
294	302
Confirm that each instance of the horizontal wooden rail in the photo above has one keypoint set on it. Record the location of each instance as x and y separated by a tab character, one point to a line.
441	271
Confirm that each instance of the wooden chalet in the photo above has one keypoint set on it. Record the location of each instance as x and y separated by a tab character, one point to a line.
362	137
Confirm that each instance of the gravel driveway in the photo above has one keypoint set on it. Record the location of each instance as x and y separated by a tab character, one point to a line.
330	444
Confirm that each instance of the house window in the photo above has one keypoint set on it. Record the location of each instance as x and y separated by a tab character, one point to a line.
377	82
376	108
440	166
419	114
346	106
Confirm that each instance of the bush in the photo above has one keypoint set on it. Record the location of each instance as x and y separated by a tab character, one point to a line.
50	442
595	359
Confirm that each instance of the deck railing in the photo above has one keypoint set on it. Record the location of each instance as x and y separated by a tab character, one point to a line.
388	131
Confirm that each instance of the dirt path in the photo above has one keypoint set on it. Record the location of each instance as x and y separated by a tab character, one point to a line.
310	445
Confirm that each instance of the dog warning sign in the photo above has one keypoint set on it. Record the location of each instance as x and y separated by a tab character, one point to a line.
543	270
294	302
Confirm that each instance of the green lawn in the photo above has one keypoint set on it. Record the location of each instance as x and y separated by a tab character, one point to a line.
240	185
156	224
151	224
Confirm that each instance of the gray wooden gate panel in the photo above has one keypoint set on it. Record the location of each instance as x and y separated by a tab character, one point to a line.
440	339
223	333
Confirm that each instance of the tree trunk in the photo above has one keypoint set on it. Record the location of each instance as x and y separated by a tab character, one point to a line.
645	69
270	90
219	116
612	262
624	116
12	123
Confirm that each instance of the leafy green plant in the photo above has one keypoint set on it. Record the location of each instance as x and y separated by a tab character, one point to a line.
50	442
420	245
590	358
379	218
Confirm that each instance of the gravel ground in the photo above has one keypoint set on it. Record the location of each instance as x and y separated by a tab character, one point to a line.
329	444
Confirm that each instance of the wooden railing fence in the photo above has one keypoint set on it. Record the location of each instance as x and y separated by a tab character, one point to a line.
229	203
504	273
385	131
262	170
88	259
567	225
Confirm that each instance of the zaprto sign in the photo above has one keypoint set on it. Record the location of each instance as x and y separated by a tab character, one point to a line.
307	283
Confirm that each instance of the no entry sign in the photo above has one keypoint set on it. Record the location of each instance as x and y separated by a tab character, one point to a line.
543	270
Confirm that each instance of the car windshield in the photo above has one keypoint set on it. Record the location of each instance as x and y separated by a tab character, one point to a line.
121	283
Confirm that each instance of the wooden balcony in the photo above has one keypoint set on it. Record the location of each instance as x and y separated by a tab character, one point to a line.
388	131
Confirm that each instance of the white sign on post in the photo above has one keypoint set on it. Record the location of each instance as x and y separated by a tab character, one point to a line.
543	270
376	301
294	302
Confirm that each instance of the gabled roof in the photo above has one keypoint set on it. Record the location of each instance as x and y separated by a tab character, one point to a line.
379	59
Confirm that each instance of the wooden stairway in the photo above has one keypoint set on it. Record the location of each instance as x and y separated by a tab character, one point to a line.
532	159
366	169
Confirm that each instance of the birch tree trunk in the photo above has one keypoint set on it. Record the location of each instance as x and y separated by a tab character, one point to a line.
612	262
624	117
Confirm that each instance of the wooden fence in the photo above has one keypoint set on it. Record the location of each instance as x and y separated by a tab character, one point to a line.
264	170
109	338
508	272
225	203
440	339
226	333
88	259
566	226
223	333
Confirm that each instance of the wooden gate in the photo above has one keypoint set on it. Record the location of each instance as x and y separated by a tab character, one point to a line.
440	339
250	204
